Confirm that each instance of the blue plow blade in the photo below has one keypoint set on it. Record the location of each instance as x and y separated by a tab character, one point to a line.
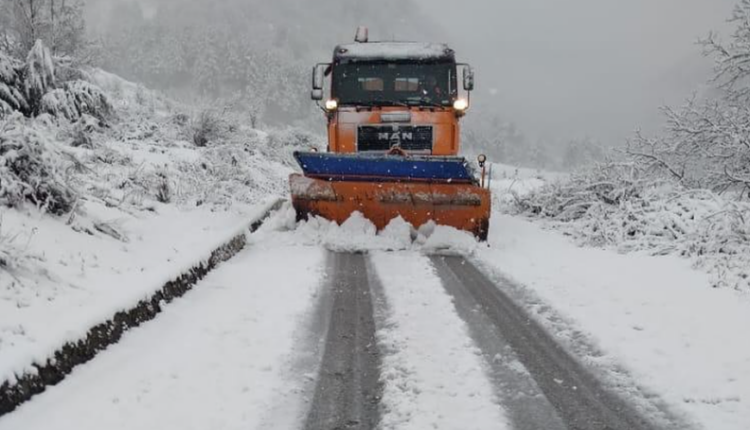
384	168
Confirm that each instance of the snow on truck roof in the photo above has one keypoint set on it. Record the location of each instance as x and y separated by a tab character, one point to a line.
394	51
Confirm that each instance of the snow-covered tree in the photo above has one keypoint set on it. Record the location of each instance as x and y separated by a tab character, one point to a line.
59	23
67	27
39	74
732	60
707	143
242	49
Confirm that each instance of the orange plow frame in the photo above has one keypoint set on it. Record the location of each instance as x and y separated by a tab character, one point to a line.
462	206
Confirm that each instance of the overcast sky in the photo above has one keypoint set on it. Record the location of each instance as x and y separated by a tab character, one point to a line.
564	68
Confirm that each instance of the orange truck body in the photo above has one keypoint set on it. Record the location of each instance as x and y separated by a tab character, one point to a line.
464	205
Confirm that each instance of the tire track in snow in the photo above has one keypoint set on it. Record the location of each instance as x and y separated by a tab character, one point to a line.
527	406
433	374
348	388
579	398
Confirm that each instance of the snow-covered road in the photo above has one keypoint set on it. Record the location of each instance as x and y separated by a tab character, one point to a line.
242	350
288	335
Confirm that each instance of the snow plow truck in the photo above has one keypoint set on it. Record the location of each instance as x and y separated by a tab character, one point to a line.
393	111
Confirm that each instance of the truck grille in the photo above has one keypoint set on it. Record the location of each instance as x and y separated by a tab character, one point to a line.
383	138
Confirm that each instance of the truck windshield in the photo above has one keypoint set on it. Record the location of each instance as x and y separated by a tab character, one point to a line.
385	84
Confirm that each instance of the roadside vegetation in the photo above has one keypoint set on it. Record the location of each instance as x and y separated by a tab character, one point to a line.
686	191
72	135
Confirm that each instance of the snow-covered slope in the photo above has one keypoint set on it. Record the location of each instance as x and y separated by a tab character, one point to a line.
149	203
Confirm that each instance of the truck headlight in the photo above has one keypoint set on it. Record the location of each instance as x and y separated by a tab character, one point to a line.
332	105
461	105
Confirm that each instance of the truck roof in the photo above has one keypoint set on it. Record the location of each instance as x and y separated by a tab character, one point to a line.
394	51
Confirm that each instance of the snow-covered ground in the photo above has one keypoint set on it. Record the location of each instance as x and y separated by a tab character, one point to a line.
221	357
655	317
79	280
227	354
650	326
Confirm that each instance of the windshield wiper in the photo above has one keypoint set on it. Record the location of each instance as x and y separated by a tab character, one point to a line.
357	103
373	103
425	102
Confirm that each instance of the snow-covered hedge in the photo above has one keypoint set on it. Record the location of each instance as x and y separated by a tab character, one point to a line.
32	169
622	207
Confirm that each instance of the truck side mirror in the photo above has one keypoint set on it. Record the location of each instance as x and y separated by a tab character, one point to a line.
318	76
468	78
318	80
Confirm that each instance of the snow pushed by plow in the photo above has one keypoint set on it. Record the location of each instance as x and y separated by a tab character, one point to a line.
358	234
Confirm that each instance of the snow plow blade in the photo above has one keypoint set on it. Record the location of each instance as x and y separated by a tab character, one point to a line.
382	188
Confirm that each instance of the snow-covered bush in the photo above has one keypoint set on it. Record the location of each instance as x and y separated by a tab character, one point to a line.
31	88
707	145
208	126
292	137
12	97
76	99
163	190
32	169
602	184
58	104
621	206
12	255
246	165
